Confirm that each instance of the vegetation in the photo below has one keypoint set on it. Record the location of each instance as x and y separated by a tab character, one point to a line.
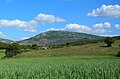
34	46
118	55
2	53
61	68
12	50
58	37
109	41
3	45
83	59
95	49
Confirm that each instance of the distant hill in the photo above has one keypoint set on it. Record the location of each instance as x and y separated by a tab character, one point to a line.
6	41
58	37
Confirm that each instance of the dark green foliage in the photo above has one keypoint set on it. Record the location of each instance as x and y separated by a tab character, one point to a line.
34	46
118	55
56	46
116	38
76	43
109	41
12	50
3	45
83	42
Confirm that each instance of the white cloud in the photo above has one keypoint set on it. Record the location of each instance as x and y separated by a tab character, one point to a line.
54	29
29	26
112	11
100	28
2	35
44	19
77	27
13	23
102	25
117	26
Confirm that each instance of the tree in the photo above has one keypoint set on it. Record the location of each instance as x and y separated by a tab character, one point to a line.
3	45
109	41
34	46
12	50
118	55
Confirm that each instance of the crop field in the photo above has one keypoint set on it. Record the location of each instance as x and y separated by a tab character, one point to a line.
75	67
77	62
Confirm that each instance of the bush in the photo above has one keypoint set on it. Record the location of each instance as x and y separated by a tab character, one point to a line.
118	55
12	50
34	46
3	45
109	41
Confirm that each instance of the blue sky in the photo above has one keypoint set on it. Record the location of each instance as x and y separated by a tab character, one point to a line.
20	19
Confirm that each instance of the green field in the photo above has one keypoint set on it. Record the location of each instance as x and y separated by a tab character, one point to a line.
2	53
75	67
97	49
89	61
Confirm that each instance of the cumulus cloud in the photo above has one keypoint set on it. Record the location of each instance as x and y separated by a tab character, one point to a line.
54	29
29	26
117	26
73	27
99	28
44	19
102	25
112	11
77	27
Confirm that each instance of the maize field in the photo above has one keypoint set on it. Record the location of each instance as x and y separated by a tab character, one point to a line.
60	68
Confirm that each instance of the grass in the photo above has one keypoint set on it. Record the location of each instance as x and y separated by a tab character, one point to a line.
2	53
89	61
84	50
73	67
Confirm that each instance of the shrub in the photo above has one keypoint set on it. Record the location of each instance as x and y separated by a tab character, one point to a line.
3	45
12	50
109	41
118	55
34	46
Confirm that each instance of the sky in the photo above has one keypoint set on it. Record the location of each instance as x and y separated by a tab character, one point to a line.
22	19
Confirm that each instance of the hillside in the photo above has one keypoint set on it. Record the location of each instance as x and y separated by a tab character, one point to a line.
6	41
97	49
58	37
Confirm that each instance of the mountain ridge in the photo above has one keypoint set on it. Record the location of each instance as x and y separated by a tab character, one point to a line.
6	40
58	37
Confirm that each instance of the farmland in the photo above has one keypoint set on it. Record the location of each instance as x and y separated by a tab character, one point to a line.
59	39
75	67
2	53
89	61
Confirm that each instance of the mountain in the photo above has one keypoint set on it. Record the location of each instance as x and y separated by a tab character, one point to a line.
58	37
6	41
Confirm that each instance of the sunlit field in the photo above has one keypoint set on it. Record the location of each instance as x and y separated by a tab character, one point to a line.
77	67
